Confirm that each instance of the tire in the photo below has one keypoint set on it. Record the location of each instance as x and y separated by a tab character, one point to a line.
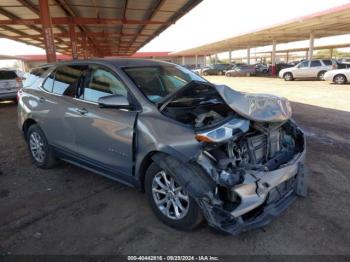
320	75
205	73
189	219
220	73
42	156
340	79
288	77
247	74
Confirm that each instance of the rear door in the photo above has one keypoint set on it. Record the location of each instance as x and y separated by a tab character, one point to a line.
105	136
57	106
9	82
315	68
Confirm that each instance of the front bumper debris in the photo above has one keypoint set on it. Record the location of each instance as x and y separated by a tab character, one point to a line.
261	204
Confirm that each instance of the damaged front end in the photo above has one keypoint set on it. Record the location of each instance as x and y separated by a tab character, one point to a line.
251	150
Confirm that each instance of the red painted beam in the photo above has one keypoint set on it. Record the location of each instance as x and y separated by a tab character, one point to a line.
73	41
82	21
47	31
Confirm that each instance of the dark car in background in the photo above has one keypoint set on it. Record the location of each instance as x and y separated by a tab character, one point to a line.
198	150
243	70
216	69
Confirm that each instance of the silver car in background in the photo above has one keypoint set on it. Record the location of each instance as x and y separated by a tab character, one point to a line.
200	151
308	69
10	83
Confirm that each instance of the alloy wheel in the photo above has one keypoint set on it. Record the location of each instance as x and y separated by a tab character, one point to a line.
339	79
36	145
170	198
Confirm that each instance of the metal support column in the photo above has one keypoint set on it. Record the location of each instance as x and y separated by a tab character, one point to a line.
216	59
273	58
248	56
311	46
196	61
287	56
183	60
73	41
230	57
47	31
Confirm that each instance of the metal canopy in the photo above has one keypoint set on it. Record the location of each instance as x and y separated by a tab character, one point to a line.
331	22
98	27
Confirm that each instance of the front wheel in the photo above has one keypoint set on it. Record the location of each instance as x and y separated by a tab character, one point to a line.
340	79
169	201
40	151
288	77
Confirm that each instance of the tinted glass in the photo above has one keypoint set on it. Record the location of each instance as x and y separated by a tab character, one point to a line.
156	82
327	62
7	75
315	63
67	79
49	82
33	75
102	82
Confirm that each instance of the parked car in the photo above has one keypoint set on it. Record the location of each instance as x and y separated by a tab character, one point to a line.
10	83
216	69
198	150
245	70
261	68
338	76
308	69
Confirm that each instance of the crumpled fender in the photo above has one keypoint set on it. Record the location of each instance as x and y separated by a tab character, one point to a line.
256	107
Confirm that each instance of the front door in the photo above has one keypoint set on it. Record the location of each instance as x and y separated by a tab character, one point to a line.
104	136
302	70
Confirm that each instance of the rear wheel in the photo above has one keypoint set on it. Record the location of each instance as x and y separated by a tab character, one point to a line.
169	201
40	151
320	75
205	73
340	79
220	73
288	77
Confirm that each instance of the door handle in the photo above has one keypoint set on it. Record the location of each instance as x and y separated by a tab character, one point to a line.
82	111
41	99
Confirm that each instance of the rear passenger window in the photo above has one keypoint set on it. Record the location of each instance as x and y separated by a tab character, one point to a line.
102	83
327	62
315	63
67	79
49	82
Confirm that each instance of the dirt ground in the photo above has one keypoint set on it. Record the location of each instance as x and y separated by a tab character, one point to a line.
68	210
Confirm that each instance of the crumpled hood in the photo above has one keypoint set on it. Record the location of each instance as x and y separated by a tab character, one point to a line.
256	107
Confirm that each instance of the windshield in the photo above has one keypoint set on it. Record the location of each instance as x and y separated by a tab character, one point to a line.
157	82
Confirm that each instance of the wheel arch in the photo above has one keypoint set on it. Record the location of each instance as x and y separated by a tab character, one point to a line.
27	123
346	79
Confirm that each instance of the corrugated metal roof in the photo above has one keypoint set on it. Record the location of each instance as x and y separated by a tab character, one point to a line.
331	22
115	27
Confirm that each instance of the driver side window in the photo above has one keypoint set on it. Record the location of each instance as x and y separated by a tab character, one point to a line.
304	64
102	83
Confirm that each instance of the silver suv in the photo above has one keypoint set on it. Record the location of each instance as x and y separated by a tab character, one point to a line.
10	83
198	150
308	69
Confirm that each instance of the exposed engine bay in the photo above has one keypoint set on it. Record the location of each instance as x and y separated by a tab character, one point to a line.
250	148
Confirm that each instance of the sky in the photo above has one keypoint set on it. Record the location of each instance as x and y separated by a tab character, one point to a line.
214	20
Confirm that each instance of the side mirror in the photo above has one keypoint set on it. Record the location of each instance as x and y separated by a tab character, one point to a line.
114	101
